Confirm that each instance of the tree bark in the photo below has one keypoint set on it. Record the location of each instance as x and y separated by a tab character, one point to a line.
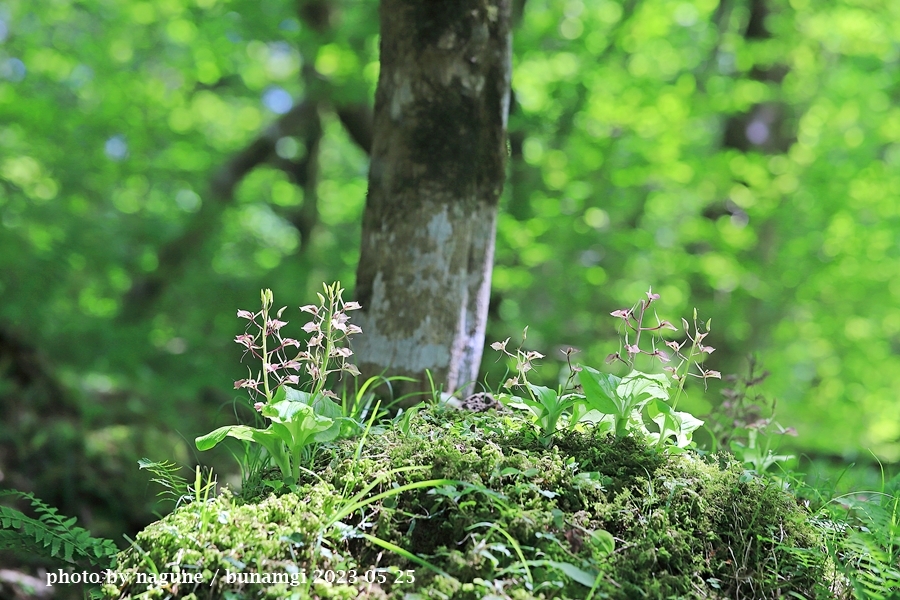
437	170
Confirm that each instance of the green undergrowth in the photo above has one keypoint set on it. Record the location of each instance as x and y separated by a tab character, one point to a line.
471	506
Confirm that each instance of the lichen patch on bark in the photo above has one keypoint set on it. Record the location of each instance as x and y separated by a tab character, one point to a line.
438	166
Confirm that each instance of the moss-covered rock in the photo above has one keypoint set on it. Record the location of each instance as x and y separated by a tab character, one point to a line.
503	517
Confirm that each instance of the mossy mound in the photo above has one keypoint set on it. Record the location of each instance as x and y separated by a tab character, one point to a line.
593	516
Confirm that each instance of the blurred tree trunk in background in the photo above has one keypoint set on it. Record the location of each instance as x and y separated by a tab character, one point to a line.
437	170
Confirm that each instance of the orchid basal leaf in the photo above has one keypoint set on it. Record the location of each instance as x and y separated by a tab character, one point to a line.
600	391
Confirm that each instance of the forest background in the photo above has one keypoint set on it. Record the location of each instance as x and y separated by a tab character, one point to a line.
162	161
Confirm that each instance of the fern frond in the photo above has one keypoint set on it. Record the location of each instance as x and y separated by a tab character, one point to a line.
50	535
166	475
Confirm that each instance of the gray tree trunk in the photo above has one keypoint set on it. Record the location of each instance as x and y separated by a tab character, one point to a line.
437	170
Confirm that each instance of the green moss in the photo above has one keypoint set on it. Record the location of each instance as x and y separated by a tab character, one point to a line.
683	527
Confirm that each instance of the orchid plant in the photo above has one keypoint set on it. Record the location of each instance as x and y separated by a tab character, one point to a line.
297	418
620	403
546	405
638	390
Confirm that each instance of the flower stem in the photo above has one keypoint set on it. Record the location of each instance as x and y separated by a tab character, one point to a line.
265	337
323	367
640	328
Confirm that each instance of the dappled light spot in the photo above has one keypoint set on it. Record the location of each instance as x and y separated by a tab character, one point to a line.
131	196
787	183
505	278
596	218
53	64
735	233
342	202
679	172
181	119
42	239
336	60
148	261
267	258
370	73
28	174
509	310
555	173
571	29
565	66
207	106
120	50
116	148
283	61
181	156
749	92
80	76
267	227
285	193
143	13
722	271
839	233
13	69
188	200
292	25
207	70
248	118
596	275
101	383
854	137
181	31
290	148
532	150
686	14
608	12
858	328
176	345
757	132
278	100
536	254
95	303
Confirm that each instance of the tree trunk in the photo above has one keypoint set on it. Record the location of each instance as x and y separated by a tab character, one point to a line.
437	169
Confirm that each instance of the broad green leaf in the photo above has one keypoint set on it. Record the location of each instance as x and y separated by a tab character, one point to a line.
286	410
267	438
603	541
325	407
332	432
297	421
600	390
579	411
295	395
637	384
689	423
526	403
664	417
321	406
212	439
280	394
680	424
574	573
545	396
657	407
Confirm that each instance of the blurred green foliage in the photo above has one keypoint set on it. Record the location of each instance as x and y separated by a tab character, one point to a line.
739	156
790	245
